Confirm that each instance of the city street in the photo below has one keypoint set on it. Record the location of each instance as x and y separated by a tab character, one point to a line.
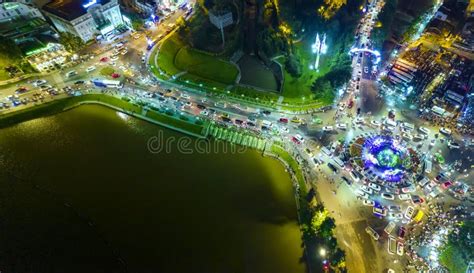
351	200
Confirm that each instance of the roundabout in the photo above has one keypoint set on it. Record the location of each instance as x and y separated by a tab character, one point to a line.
384	158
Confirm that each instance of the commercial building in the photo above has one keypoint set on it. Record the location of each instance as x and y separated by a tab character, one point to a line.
88	19
11	11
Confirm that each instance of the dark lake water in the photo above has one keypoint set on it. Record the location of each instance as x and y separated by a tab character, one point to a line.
81	192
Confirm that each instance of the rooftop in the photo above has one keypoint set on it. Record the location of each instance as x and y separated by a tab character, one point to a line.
70	9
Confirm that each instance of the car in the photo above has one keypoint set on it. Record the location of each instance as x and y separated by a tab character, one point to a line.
184	96
423	182
359	120
39	82
309	152
404	196
79	82
447	184
401	232
388	196
346	180
366	189
424	130
354	176
396	215
266	112
200	106
296	120
123	52
409	212
419	137
90	69
407	136
21	90
394	208
115	75
389	228
283	120
376	123
204	113
328	128
114	58
408	189
392	245
432	142
298	139
445	131
333	168
453	145
361	195
366	70
374	186
372	233
284	130
104	59
416	199
430	186
400	247
341	126
379	211
368	202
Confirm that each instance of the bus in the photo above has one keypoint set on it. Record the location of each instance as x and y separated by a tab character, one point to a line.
405	67
107	83
403	73
406	62
401	76
394	80
428	165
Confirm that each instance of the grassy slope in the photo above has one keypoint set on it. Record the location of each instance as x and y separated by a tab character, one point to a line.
205	66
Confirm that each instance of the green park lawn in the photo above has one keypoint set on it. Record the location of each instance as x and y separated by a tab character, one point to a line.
205	66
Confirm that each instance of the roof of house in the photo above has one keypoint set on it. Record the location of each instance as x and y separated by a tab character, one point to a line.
70	9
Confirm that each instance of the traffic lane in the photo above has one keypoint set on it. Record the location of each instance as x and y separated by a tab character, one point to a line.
369	100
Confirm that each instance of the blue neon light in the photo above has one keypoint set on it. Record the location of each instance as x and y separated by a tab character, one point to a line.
90	3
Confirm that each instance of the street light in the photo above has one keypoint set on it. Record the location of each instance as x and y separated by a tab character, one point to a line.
322	252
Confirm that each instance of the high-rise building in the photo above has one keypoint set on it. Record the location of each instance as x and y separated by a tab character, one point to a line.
85	19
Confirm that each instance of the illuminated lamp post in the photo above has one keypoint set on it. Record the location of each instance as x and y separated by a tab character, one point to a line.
319	48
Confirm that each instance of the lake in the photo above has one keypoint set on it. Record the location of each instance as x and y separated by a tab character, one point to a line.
81	191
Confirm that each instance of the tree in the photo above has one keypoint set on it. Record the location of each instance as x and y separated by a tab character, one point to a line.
293	66
71	42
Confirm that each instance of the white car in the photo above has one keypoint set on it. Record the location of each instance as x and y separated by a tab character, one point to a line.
445	131
400	248
367	202
409	212
409	189
376	123
328	128
114	58
379	211
372	233
389	228
388	196
366	189
341	126
396	215
433	142
407	136
124	52
453	145
204	113
39	82
359	120
299	138
419	137
404	196
375	187
424	130
184	96
429	187
90	69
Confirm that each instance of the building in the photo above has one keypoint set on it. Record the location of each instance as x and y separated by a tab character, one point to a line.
11	11
87	20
